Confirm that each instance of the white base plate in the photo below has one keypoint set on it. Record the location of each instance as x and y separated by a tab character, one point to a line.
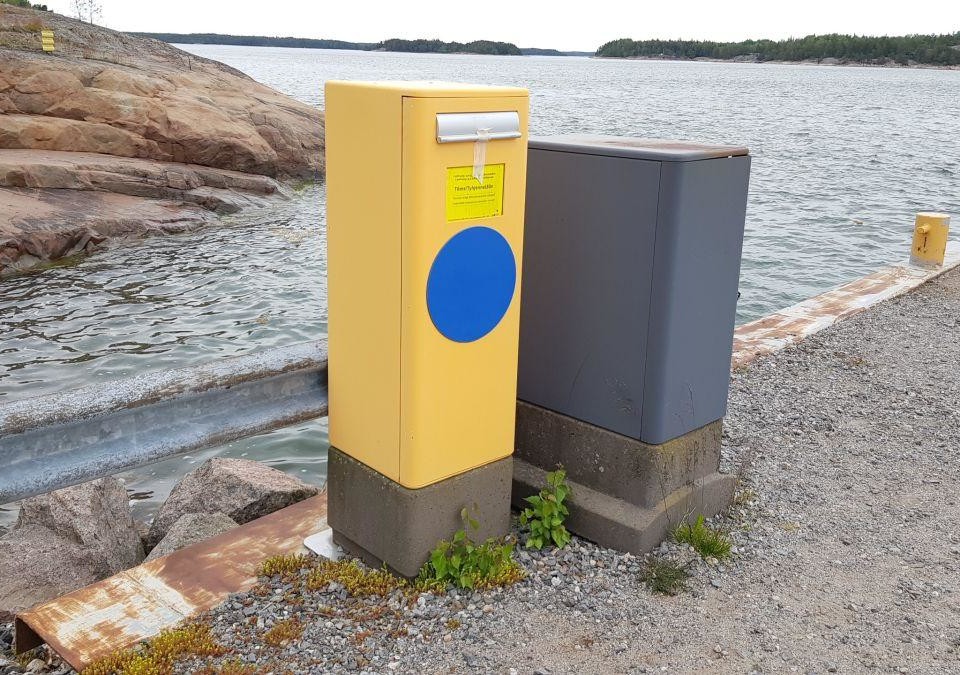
322	544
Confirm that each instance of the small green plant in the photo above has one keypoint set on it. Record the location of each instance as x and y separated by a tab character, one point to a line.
665	577
545	516
705	540
466	564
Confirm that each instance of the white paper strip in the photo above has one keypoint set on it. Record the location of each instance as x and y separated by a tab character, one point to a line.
480	153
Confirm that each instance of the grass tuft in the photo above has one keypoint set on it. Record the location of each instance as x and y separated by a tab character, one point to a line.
665	577
359	582
285	565
231	667
159	656
283	633
705	540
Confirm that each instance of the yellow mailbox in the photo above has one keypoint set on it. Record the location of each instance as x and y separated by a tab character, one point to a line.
425	203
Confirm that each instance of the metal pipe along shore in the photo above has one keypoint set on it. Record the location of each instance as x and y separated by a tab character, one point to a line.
63	439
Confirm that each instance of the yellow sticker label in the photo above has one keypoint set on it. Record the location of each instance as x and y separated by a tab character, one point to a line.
469	198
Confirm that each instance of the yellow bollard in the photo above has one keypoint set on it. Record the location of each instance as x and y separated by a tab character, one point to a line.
930	239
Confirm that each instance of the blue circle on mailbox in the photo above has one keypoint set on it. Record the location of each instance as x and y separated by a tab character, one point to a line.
471	284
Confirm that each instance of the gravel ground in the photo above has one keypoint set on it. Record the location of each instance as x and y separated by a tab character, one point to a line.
846	540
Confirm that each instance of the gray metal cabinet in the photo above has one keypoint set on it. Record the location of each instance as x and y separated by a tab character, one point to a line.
630	272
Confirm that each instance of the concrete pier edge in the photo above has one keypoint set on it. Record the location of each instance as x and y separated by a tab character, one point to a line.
792	324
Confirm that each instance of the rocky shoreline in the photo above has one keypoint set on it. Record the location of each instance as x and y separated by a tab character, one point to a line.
56	204
89	529
79	535
118	136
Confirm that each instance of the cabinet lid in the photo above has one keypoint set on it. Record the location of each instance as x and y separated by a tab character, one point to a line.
635	148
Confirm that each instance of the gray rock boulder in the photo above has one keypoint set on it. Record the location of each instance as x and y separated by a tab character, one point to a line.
242	489
94	515
38	566
192	528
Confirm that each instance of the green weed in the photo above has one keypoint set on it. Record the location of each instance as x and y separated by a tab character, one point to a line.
547	512
665	577
466	564
705	540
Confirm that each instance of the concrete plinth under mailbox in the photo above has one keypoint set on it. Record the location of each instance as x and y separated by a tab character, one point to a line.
401	526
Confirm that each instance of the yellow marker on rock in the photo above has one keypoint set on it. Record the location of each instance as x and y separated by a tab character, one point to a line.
930	238
46	40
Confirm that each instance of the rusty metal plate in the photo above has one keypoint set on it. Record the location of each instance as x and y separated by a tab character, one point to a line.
136	604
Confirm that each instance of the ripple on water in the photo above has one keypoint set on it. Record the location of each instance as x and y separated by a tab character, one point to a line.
257	281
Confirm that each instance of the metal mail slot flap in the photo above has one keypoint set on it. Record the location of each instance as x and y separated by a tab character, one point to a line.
465	127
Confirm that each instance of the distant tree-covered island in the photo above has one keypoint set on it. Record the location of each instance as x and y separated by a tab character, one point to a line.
440	47
392	45
936	50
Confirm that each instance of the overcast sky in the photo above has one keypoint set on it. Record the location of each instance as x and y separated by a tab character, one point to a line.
529	23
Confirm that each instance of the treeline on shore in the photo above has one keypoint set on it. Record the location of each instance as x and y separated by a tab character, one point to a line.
254	41
941	50
392	45
24	3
